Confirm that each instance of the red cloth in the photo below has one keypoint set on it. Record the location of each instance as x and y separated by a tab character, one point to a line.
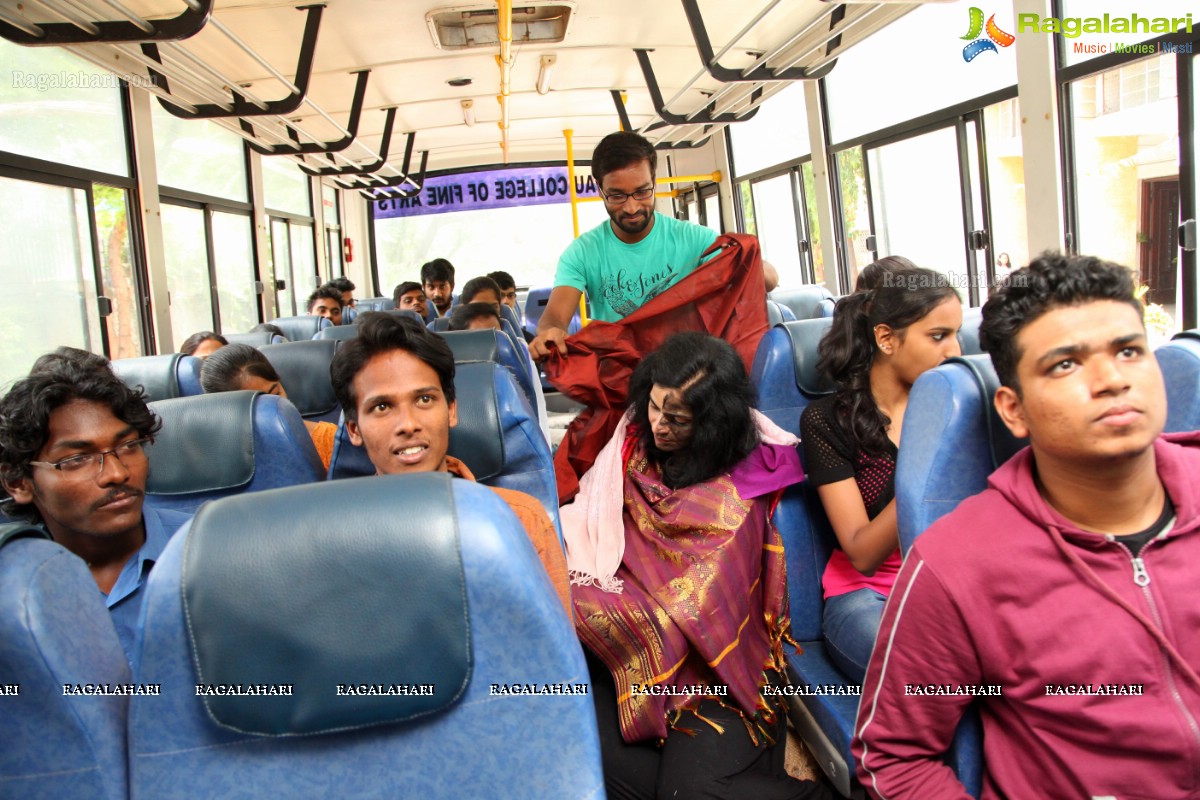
724	296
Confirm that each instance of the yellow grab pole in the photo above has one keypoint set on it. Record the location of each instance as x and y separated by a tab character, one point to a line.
715	177
583	318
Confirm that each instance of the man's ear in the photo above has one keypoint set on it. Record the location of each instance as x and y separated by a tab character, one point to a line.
21	490
355	435
1009	407
453	413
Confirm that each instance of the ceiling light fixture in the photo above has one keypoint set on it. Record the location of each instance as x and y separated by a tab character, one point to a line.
468	109
545	67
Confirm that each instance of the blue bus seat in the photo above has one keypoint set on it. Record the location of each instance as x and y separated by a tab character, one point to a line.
497	437
400	312
968	335
953	440
298	329
55	631
162	377
806	302
418	580
431	311
494	346
227	443
509	314
1180	363
303	369
535	304
254	338
337	332
778	313
375	304
438	324
784	372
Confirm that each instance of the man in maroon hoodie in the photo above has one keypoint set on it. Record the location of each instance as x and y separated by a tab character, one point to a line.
1062	598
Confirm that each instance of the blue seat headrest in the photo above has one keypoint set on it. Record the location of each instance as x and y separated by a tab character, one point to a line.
968	336
340	332
157	375
303	368
398	312
439	324
1191	334
806	335
261	608
806	302
1001	442
254	338
206	444
298	329
473	345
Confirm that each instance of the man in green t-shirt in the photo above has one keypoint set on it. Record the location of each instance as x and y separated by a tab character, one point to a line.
630	259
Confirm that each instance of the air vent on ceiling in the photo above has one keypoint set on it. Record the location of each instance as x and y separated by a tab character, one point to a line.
462	27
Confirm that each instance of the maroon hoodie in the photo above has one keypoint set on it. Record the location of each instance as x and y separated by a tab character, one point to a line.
1084	660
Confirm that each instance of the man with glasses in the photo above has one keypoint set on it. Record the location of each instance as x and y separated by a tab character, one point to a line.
72	458
634	256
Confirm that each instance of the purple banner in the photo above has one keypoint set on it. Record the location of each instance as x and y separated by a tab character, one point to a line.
497	188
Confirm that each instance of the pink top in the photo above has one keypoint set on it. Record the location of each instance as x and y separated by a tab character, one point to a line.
841	577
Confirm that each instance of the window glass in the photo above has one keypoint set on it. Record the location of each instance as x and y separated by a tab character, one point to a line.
524	241
864	97
197	155
814	222
116	270
712	212
188	284
304	262
1127	171
46	262
233	252
856	223
1153	20
281	269
777	233
57	107
1006	184
285	187
917	201
333	253
777	133
746	197
329	201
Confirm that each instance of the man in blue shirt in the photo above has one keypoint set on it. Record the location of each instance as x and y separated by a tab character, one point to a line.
630	259
72	457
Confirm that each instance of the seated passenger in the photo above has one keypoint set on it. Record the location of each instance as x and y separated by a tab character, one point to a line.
870	276
72	458
395	381
679	583
326	302
880	342
1066	590
481	290
202	344
409	296
240	366
475	317
437	278
346	287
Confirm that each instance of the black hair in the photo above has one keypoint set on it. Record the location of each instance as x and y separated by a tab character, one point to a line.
1050	280
83	359
225	369
503	279
342	284
477	285
25	413
714	384
461	316
872	274
902	297
378	333
193	342
437	270
403	289
327	292
266	327
620	150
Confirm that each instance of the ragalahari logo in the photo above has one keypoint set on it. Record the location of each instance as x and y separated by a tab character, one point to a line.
995	36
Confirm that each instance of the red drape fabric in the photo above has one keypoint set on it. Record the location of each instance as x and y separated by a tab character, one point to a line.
724	296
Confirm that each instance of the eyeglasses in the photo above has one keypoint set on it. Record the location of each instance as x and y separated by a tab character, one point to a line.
619	198
80	466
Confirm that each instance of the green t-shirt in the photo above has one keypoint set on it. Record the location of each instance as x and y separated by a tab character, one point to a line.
620	278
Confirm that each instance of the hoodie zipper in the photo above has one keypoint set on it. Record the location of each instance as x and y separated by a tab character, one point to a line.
1142	578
